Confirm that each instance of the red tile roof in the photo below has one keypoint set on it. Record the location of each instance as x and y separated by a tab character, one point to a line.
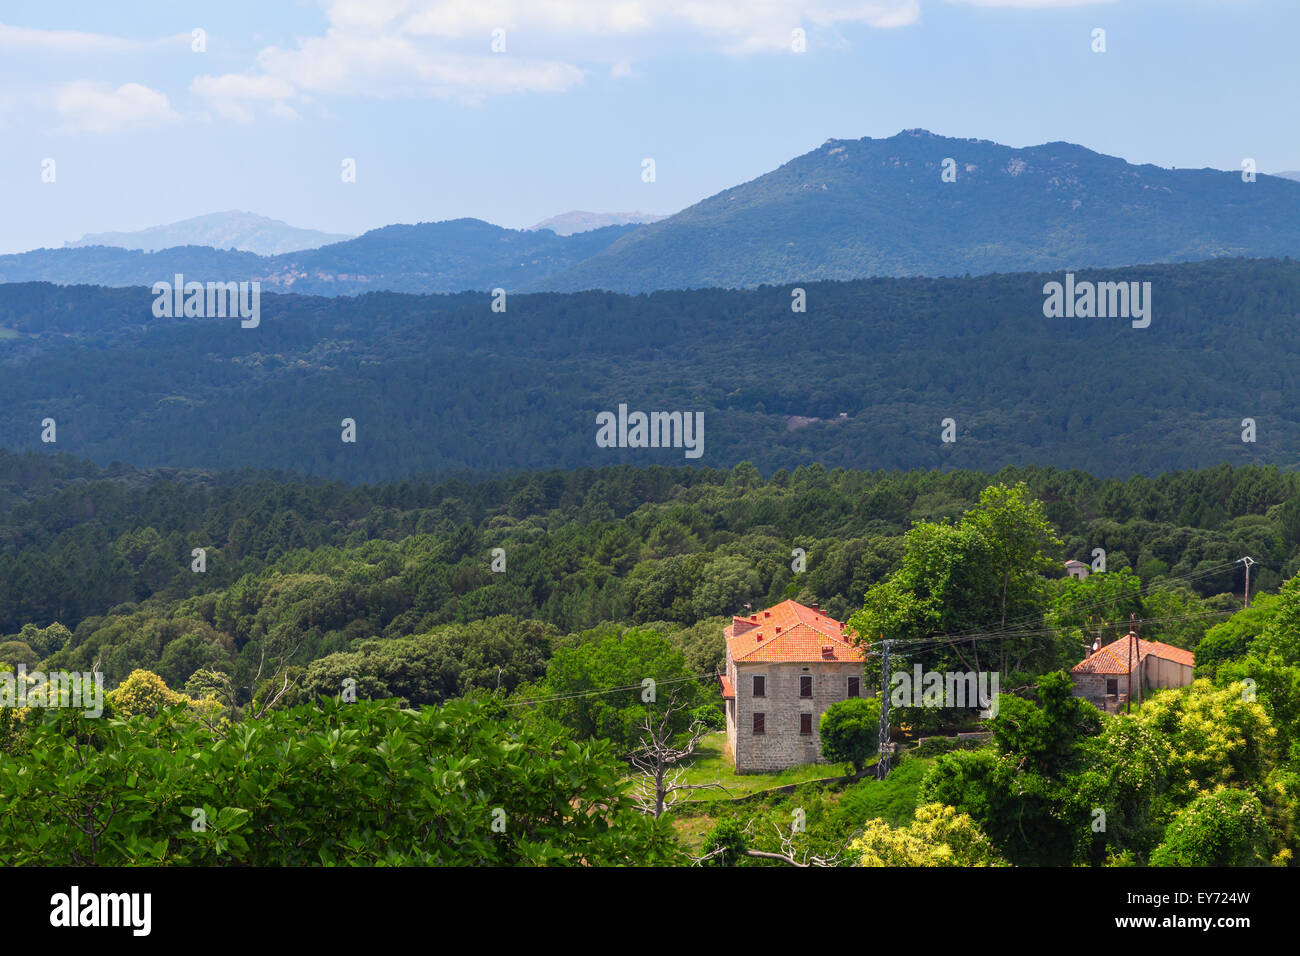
1170	653
728	692
792	633
1116	657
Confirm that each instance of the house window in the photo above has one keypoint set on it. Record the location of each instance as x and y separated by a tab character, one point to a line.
855	687
758	724
760	686
805	724
1112	687
805	685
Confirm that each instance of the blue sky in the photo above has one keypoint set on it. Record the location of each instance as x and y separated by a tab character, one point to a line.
144	130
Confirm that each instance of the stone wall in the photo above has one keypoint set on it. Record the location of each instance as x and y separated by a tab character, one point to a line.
781	745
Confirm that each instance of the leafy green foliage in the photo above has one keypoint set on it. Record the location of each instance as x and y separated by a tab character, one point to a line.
727	841
971	576
144	692
598	688
939	836
340	784
849	731
1232	638
1223	828
451	661
1045	734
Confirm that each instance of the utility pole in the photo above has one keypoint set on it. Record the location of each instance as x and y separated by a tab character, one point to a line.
1248	561
1132	619
882	764
1132	648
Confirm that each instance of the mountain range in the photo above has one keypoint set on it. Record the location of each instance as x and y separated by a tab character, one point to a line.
242	231
450	256
914	204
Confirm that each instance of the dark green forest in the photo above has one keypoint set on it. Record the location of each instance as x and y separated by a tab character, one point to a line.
443	384
98	564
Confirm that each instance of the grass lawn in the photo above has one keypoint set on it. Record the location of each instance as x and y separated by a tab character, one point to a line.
837	812
710	765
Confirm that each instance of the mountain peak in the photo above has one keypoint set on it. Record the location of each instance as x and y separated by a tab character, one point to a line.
577	220
919	203
232	229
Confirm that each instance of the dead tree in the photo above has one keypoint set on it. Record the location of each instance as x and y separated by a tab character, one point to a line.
659	784
788	854
277	659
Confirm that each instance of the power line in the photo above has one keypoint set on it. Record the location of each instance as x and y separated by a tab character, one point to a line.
1008	630
923	643
1144	590
610	690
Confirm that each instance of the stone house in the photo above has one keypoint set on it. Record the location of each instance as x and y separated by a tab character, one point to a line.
785	666
1102	677
1076	569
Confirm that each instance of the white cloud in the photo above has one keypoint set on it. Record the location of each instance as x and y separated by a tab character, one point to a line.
1032	4
732	27
442	48
230	95
386	64
98	108
30	40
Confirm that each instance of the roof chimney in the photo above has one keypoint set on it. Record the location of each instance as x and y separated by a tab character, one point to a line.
816	606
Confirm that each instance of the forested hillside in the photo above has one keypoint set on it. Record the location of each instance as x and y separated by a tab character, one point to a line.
354	673
98	566
863	379
918	203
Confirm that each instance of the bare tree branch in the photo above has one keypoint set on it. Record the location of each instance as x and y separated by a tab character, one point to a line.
659	785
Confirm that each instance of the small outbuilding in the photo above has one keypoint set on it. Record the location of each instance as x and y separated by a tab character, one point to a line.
1103	676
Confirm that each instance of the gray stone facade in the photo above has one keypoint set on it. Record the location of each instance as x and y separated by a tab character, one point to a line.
782	744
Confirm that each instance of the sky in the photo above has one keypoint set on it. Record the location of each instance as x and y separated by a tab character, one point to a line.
153	112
